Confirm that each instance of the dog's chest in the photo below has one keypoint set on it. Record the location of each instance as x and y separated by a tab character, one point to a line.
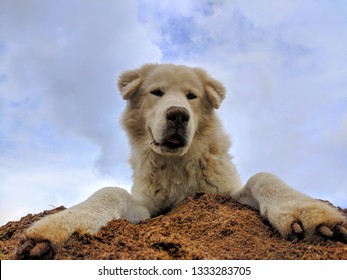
172	182
162	184
169	185
173	177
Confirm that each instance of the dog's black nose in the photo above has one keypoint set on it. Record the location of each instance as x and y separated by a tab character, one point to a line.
177	115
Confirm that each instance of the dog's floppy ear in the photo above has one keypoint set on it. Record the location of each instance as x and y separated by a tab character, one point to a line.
214	89
130	81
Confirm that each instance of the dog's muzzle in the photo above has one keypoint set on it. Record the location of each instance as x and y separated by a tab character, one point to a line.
175	132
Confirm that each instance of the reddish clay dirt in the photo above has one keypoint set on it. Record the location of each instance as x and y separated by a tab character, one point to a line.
204	226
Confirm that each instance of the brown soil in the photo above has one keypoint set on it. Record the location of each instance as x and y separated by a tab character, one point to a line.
202	227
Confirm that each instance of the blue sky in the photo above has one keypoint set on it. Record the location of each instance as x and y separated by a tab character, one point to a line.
283	64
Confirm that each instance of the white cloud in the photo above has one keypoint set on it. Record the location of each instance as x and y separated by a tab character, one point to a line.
67	58
59	63
33	190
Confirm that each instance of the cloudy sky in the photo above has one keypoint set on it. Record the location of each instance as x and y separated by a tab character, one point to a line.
283	64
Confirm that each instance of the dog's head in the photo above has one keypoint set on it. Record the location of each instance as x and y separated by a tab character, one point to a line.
167	104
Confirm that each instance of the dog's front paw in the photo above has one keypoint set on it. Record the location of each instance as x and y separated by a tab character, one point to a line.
43	238
32	249
335	232
311	220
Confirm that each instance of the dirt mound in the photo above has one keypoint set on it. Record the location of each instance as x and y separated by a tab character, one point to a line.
204	226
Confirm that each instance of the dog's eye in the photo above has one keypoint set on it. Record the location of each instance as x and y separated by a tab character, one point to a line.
191	96
157	92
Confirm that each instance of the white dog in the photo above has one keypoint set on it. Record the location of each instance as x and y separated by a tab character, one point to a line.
178	148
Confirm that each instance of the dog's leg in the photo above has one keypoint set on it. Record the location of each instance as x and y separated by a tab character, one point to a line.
294	214
44	237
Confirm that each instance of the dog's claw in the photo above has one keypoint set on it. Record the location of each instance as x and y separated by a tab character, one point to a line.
297	232
341	233
325	231
297	228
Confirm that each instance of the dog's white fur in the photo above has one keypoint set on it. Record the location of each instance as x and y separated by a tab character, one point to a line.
196	161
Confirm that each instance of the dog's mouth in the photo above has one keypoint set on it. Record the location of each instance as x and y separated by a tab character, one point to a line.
171	142
174	141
